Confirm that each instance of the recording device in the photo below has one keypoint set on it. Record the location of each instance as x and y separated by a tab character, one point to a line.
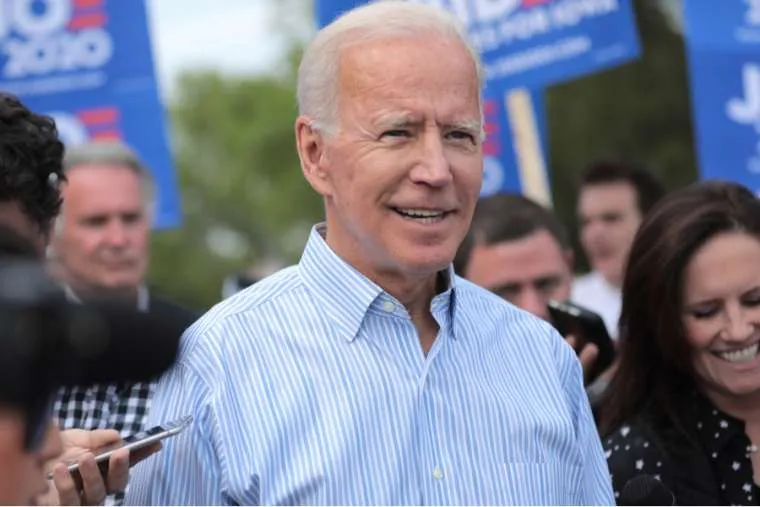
586	326
646	490
47	342
131	443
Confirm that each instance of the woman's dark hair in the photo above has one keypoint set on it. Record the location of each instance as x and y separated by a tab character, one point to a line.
655	371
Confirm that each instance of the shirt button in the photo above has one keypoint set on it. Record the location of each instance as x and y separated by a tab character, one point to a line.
388	306
437	473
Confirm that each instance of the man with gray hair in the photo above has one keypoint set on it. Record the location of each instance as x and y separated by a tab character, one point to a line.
99	250
369	373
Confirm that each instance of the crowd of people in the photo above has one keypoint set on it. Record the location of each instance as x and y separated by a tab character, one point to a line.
410	356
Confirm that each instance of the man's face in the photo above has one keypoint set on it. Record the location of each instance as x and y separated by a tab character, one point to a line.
609	218
23	473
527	272
402	174
102	242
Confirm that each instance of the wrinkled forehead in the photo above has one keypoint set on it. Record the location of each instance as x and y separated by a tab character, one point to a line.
407	67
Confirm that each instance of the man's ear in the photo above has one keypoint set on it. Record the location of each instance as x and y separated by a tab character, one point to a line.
310	143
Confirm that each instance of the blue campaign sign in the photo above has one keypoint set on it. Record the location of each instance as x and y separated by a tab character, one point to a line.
535	43
502	171
734	24
725	86
89	64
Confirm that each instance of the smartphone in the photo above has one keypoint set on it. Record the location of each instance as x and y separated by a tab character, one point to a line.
132	443
586	326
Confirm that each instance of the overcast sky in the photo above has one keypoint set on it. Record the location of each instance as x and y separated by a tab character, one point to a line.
233	36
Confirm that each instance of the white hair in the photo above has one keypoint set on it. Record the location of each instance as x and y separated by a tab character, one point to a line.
318	84
113	153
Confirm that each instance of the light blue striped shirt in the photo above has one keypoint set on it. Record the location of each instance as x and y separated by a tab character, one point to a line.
311	387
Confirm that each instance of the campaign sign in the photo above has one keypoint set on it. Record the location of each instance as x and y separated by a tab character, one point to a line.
501	170
734	25
89	64
535	43
724	62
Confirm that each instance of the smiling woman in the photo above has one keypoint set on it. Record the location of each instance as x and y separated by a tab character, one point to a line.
684	405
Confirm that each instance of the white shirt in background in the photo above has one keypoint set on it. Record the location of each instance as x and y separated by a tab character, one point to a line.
592	291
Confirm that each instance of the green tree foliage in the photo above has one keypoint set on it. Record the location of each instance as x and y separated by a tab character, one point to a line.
244	197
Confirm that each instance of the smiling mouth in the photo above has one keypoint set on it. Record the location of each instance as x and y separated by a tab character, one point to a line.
423	216
741	355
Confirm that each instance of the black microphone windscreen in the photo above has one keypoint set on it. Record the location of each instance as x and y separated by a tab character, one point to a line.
47	341
112	343
646	490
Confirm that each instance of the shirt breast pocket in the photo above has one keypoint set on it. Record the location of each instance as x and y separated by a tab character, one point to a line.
542	483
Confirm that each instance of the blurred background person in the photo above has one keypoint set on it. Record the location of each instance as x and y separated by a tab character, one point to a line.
99	251
518	249
613	198
30	443
684	404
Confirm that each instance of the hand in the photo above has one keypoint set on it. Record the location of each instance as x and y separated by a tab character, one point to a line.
586	355
93	488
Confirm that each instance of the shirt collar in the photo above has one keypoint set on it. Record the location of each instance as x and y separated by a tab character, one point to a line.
348	295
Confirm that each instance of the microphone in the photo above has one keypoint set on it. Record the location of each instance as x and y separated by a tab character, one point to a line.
47	342
646	490
112	343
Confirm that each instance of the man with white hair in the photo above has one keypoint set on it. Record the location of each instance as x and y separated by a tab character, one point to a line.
99	250
369	373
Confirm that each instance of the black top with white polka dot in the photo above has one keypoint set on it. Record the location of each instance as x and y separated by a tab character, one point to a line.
714	470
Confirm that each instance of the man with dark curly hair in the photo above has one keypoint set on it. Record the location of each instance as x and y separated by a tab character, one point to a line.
31	170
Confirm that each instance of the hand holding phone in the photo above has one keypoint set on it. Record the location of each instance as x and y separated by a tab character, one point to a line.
587	352
585	327
106	468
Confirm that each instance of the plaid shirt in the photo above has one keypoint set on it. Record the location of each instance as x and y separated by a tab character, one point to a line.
122	407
